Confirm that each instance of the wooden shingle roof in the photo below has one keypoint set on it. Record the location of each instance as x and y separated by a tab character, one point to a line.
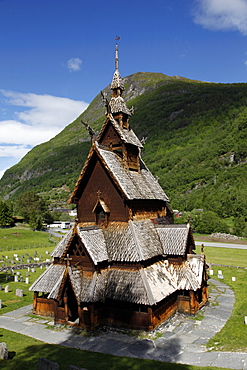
146	286
133	184
47	281
135	241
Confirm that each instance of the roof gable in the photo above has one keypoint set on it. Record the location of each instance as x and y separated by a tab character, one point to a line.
126	135
132	184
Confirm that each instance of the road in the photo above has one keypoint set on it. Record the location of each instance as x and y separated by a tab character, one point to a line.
222	245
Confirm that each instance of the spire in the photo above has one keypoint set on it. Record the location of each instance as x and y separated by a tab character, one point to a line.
117	81
116	58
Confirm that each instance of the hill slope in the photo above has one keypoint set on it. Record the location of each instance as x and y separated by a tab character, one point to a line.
196	143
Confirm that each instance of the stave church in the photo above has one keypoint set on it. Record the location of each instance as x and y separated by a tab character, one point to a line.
124	263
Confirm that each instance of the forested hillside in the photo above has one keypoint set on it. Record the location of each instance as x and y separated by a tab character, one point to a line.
195	133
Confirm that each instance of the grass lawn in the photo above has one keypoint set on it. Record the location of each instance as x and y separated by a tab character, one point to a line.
10	301
22	237
233	336
225	256
26	352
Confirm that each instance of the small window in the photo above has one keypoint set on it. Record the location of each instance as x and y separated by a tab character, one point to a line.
101	216
101	212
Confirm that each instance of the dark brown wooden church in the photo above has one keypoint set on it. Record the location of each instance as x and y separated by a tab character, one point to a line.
124	262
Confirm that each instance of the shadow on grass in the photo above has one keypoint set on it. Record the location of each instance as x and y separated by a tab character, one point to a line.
64	356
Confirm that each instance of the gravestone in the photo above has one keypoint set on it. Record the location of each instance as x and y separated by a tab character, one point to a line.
220	272
16	279
33	269
28	260
19	292
4	353
73	367
27	280
0	303
17	272
28	269
6	289
6	257
27	274
41	267
233	278
45	364
211	272
220	276
21	279
46	252
245	320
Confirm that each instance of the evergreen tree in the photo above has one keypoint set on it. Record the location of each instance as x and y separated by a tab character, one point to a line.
31	206
6	218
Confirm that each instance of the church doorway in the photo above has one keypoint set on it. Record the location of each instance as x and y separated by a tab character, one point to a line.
72	304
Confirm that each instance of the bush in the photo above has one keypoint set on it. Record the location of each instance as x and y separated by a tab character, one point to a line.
204	222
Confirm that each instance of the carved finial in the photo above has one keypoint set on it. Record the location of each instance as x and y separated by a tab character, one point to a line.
143	140
132	110
106	102
90	130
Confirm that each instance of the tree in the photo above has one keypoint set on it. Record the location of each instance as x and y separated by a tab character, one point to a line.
238	226
33	208
6	218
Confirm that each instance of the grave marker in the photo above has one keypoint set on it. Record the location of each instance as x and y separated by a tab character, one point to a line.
16	279
27	280
6	289
4	353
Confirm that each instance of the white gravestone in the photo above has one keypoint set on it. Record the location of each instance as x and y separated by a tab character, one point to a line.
6	289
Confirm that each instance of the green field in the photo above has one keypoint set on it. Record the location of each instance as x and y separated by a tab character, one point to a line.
22	237
225	256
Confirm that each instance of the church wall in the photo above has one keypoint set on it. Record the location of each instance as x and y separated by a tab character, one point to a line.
44	307
146	208
99	180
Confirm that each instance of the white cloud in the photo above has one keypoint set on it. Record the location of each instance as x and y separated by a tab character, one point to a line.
74	64
16	151
222	15
42	117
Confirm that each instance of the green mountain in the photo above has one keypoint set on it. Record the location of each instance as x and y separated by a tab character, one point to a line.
196	135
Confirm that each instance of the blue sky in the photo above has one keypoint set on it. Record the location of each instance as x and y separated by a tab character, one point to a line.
56	55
